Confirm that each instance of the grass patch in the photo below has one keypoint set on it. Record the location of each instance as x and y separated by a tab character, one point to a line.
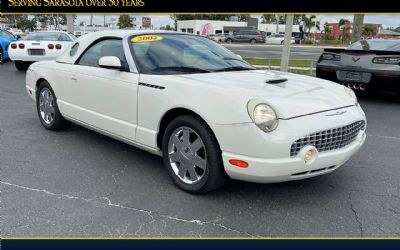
277	62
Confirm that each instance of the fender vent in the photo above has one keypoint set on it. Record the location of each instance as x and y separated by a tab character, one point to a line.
151	85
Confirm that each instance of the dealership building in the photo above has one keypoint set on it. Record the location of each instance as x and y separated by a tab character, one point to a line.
207	27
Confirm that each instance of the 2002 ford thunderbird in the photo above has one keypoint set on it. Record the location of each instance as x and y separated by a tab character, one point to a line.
208	113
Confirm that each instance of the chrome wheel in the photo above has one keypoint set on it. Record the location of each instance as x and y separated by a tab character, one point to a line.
187	155
46	106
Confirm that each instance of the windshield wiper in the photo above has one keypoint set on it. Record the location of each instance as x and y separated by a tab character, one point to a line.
182	69
233	68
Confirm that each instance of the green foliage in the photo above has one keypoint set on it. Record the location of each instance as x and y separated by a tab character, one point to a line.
268	18
309	22
167	27
125	21
50	19
369	29
21	22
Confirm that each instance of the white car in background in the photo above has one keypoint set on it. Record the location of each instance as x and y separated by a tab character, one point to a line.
208	113
39	46
277	39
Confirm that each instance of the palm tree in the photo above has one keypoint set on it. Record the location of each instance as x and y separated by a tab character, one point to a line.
309	23
344	25
327	31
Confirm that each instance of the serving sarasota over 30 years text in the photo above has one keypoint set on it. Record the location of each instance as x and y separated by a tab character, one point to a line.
76	3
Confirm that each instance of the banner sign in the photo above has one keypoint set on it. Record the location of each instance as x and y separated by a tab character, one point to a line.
203	6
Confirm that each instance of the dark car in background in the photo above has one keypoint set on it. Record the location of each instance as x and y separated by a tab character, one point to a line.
366	64
246	36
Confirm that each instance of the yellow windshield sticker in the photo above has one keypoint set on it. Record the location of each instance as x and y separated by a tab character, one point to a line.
146	38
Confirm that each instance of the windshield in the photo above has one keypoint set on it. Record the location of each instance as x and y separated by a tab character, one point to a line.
389	45
42	36
182	54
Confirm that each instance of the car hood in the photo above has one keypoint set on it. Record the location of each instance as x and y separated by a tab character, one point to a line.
291	95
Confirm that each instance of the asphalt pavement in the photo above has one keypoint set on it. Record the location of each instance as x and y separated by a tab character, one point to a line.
78	183
274	51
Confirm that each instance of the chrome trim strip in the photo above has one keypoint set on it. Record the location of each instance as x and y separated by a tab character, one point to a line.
128	54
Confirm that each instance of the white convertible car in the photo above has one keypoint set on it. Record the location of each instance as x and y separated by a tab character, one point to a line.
39	46
208	113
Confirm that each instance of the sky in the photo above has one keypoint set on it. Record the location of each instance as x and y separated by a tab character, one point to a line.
388	20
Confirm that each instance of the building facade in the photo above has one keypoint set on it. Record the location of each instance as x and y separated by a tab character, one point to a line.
208	27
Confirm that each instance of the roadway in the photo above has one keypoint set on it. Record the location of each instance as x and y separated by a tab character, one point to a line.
275	51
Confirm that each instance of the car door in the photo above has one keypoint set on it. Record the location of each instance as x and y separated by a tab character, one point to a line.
105	98
245	36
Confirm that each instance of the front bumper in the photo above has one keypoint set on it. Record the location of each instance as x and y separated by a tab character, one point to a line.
290	168
268	154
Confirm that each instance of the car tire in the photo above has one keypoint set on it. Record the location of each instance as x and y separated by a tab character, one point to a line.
282	42
253	41
228	40
47	108
21	66
188	139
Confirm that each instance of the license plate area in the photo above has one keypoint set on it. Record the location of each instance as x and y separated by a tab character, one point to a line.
353	76
36	52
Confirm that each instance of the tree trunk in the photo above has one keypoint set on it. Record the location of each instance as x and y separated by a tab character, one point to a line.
358	23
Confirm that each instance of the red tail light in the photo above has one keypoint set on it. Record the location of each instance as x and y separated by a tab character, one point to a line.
50	46
21	46
14	46
58	46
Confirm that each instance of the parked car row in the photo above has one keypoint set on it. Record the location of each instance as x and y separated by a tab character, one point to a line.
249	36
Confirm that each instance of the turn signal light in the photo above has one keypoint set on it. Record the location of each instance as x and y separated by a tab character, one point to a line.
21	45
50	46
239	163
58	46
14	46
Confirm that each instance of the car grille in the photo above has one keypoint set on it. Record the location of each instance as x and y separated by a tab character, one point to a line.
329	139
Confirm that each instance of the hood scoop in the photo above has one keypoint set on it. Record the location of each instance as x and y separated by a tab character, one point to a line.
276	80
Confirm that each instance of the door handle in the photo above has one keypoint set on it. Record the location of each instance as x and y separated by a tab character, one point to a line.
73	78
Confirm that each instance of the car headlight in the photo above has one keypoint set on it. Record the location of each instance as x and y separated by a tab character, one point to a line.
263	116
351	94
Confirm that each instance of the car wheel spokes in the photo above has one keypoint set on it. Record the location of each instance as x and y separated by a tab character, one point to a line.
46	106
187	155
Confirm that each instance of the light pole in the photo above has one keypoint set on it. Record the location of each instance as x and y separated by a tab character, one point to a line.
70	24
286	43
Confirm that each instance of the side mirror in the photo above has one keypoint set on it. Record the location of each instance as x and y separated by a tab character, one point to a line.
239	56
110	62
